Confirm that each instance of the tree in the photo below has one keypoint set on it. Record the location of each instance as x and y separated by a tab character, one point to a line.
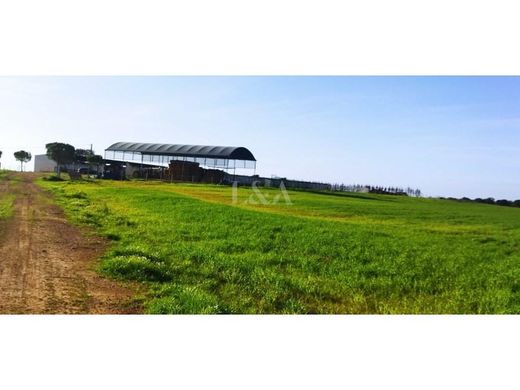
81	156
0	157
60	153
95	159
23	157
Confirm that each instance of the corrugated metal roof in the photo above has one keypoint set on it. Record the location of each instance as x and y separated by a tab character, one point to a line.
224	152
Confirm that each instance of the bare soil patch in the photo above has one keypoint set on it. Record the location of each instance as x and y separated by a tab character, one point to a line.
47	264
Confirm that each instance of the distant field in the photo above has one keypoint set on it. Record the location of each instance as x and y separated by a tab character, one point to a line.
197	252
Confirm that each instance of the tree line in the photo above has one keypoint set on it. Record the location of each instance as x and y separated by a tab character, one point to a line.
63	155
377	189
22	156
493	201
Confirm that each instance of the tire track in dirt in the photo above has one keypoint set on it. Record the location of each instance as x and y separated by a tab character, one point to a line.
46	264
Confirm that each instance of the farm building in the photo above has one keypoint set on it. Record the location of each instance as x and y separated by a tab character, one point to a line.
222	157
42	163
190	163
196	163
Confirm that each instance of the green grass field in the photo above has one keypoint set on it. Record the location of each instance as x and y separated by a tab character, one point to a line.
197	252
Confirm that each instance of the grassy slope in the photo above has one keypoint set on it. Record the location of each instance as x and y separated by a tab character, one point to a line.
337	253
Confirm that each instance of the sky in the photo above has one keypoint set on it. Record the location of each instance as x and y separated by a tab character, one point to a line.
448	136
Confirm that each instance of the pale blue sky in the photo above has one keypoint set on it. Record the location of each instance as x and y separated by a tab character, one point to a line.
451	136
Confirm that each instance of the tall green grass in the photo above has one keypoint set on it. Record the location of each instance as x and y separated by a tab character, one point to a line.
198	252
6	206
6	198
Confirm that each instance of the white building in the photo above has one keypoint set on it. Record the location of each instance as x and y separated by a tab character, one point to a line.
42	163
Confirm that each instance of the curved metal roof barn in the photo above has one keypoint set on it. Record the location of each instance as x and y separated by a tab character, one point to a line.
224	157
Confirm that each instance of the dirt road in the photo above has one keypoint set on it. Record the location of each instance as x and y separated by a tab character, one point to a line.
46	264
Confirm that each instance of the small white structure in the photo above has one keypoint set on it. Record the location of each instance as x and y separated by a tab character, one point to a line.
42	163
